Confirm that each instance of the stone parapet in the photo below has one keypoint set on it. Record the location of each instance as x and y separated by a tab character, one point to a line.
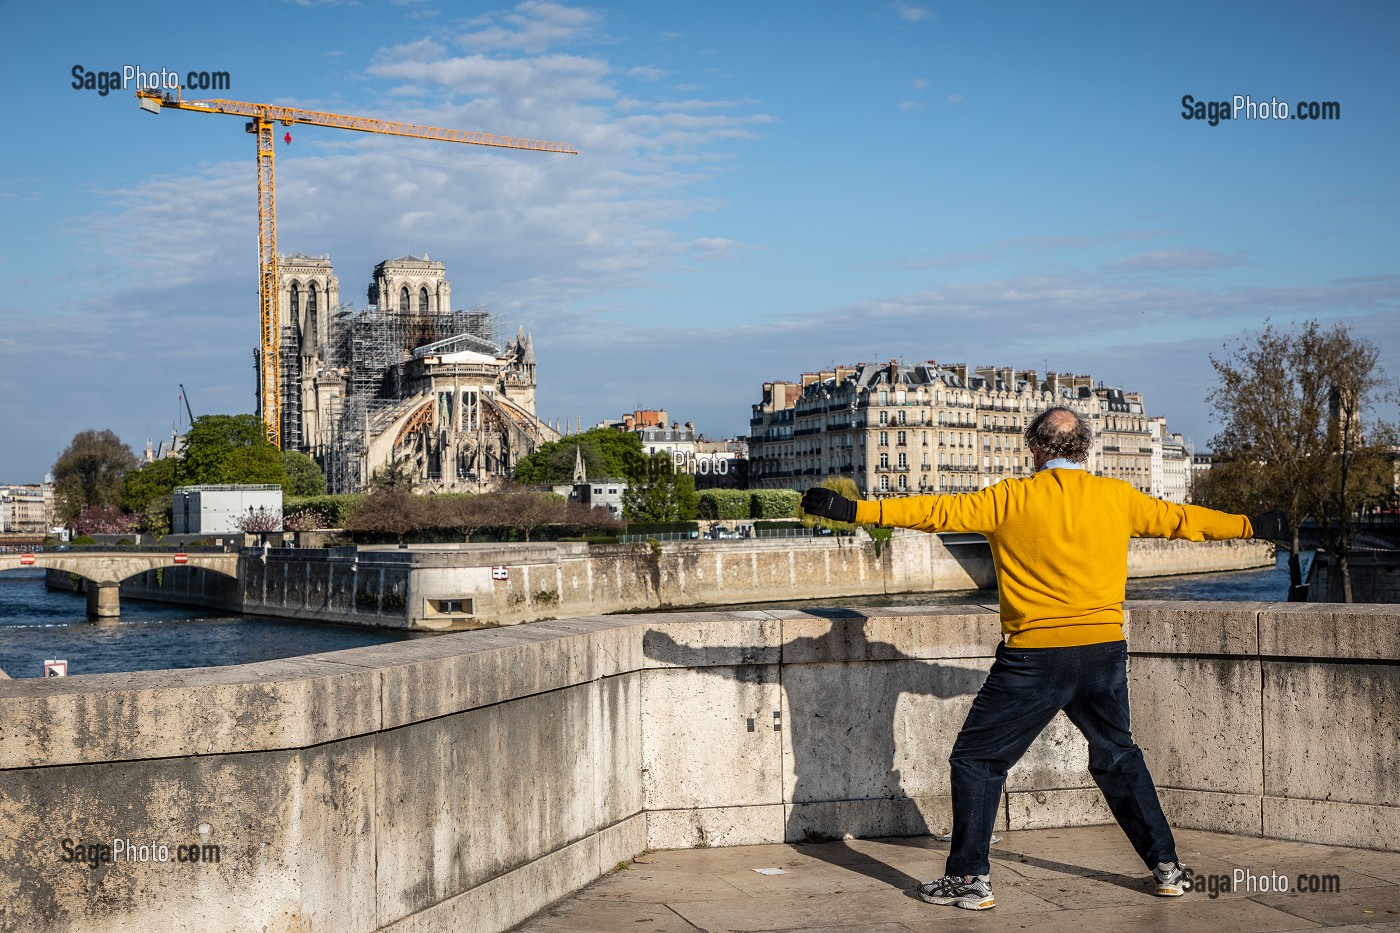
466	781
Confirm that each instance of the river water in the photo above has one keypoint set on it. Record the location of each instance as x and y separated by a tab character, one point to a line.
37	624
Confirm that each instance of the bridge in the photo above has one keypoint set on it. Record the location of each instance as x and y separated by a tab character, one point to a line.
106	569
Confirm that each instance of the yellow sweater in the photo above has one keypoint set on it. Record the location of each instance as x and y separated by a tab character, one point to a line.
1060	544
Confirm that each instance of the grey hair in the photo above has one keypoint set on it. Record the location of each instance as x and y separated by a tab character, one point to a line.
1049	434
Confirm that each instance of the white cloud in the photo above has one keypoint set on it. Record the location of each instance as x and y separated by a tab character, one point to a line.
911	13
1174	260
910	105
919	84
956	98
646	73
532	27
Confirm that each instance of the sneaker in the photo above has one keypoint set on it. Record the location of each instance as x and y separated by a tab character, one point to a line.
1169	878
972	892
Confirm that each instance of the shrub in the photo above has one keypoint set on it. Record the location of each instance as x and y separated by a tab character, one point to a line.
726	504
774	503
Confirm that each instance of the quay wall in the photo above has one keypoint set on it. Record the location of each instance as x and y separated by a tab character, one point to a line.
467	781
445	588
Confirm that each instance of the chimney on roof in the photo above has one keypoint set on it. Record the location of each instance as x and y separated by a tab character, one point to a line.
808	379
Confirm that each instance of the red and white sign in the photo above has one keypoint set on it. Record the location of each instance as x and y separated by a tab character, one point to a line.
26	559
55	668
500	573
182	558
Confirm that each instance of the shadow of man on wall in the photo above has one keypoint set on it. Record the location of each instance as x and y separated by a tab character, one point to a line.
868	725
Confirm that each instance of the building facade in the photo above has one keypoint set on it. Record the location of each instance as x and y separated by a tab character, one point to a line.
925	429
203	510
408	381
27	507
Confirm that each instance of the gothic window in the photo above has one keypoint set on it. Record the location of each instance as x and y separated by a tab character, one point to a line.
296	300
422	301
311	311
403	300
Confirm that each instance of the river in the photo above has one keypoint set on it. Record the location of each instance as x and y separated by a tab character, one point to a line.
37	624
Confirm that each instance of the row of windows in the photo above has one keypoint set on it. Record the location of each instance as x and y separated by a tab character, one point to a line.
404	300
310	299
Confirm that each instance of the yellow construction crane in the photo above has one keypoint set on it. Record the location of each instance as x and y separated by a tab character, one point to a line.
261	119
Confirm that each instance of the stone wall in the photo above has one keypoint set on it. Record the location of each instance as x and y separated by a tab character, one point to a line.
446	588
466	781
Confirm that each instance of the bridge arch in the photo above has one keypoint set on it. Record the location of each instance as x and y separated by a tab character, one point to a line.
105	570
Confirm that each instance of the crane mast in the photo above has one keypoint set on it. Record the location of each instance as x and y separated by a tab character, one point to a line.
262	118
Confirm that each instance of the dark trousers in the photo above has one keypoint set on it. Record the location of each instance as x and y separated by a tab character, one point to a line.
1024	690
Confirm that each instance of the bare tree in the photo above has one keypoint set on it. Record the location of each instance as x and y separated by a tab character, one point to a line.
1293	405
391	510
527	509
468	515
596	520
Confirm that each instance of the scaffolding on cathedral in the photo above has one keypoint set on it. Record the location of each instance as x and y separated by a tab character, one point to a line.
367	348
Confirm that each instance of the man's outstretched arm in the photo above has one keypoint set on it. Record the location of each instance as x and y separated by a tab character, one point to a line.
1158	519
971	512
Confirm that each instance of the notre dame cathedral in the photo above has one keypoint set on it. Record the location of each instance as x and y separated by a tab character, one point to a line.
408	380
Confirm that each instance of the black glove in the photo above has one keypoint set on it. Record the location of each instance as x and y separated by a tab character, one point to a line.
828	504
1271	526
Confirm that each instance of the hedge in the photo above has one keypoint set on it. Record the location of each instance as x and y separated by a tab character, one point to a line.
774	503
725	503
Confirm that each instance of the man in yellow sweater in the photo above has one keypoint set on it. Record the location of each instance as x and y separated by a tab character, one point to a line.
1059	540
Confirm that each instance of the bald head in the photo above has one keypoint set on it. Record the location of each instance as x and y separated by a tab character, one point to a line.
1059	432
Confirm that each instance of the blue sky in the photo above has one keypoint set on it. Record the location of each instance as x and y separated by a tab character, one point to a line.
762	188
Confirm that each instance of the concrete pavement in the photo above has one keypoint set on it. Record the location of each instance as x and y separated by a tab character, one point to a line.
1051	881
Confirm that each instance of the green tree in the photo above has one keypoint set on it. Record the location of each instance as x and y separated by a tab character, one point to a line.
1294	406
229	449
152	482
606	452
303	475
661	494
89	472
